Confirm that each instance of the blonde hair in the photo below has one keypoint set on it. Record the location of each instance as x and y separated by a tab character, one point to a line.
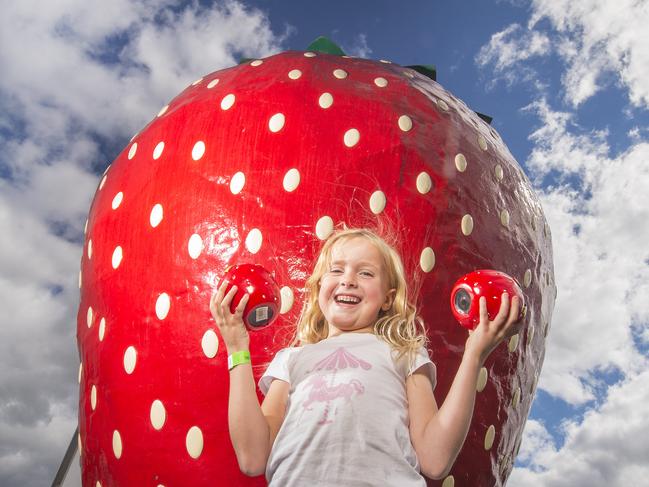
399	326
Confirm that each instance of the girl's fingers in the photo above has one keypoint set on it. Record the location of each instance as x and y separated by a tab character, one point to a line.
225	304
484	316
515	311
503	312
242	305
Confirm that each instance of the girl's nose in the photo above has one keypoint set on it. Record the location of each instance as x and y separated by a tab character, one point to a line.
348	280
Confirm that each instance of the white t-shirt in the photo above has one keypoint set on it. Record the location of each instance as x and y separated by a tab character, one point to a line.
346	421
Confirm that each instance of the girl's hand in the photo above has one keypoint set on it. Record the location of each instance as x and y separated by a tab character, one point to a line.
233	331
488	334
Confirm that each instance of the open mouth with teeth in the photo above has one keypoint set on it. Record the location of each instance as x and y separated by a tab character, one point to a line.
347	300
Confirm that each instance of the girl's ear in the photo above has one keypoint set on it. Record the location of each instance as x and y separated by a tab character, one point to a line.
389	299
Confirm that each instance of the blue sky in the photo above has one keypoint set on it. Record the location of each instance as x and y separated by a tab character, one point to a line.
566	84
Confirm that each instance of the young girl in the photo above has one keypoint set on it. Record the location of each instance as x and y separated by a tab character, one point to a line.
354	404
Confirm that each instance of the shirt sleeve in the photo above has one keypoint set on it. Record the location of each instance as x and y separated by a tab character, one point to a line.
423	360
277	369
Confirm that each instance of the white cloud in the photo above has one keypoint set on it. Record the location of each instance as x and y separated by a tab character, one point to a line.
599	41
78	76
507	49
358	48
599	240
609	447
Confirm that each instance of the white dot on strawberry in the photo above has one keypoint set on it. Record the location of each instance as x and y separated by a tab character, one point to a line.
253	241
210	344
287	299
499	172
442	105
101	185
162	306
377	202
89	316
309	54
405	123
198	150
93	397
294	74
158	414
467	225
117	257
291	180
482	142
527	278
117	444
504	218
156	215
80	370
157	152
227	101
351	137
276	122
482	379
130	359
197	81
90	249
325	100
212	83
117	200
427	259
237	183
162	111
194	442
340	73
381	82
79	279
512	345
489	437
195	246
424	183
256	62
102	329
460	162
324	227
132	151
516	398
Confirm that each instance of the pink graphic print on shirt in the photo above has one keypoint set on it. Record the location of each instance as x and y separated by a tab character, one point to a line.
321	392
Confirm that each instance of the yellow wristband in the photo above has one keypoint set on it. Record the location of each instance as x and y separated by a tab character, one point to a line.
238	358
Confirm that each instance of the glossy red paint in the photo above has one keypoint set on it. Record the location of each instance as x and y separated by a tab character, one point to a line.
467	291
264	303
219	178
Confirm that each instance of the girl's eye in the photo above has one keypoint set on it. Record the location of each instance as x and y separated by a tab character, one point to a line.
335	270
367	273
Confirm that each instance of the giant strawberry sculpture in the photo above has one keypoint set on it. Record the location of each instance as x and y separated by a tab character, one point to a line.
259	163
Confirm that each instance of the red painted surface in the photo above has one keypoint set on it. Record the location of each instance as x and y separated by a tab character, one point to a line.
467	291
335	181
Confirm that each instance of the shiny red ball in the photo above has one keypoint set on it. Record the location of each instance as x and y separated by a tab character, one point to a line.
264	303
467	291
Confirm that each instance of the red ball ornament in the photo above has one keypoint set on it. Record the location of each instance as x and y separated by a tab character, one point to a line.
264	303
467	291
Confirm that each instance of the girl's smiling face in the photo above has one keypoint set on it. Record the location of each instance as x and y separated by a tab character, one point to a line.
354	288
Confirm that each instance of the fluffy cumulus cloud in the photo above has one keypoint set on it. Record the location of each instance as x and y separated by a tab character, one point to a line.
590	200
506	49
591	197
78	79
601	43
608	447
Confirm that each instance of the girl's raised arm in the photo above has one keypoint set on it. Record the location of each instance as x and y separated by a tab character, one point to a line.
438	436
249	428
